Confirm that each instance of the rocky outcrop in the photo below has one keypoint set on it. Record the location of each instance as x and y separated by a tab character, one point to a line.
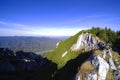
102	63
111	63
87	41
101	66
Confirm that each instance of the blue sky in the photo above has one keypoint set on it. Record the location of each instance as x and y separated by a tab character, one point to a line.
56	17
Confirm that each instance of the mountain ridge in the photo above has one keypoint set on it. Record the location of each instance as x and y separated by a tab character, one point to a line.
94	41
65	45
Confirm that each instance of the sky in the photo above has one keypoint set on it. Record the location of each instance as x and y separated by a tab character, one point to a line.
56	17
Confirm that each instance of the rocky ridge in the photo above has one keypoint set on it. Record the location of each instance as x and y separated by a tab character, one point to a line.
76	51
102	63
88	42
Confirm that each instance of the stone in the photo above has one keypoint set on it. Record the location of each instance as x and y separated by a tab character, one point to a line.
102	67
92	76
86	41
117	75
112	65
109	53
104	54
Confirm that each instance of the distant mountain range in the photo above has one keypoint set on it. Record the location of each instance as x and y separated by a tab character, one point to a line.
30	44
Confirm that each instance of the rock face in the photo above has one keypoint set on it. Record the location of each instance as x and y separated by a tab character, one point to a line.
86	41
102	62
112	65
102	67
100	72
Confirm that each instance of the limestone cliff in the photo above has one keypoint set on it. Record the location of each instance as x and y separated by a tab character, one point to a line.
87	41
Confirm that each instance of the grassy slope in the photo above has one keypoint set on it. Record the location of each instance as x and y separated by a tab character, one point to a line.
56	55
65	45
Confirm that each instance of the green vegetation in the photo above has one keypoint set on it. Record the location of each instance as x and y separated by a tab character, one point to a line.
56	55
106	35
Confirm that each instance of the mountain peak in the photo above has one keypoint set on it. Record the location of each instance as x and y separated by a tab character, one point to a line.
87	41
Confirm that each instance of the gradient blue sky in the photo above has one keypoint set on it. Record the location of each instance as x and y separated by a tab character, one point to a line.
56	17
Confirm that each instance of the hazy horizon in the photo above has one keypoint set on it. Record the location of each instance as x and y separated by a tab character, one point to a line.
40	36
56	17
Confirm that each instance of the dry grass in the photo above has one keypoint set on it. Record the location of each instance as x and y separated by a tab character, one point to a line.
87	66
109	75
115	55
116	58
85	69
98	52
